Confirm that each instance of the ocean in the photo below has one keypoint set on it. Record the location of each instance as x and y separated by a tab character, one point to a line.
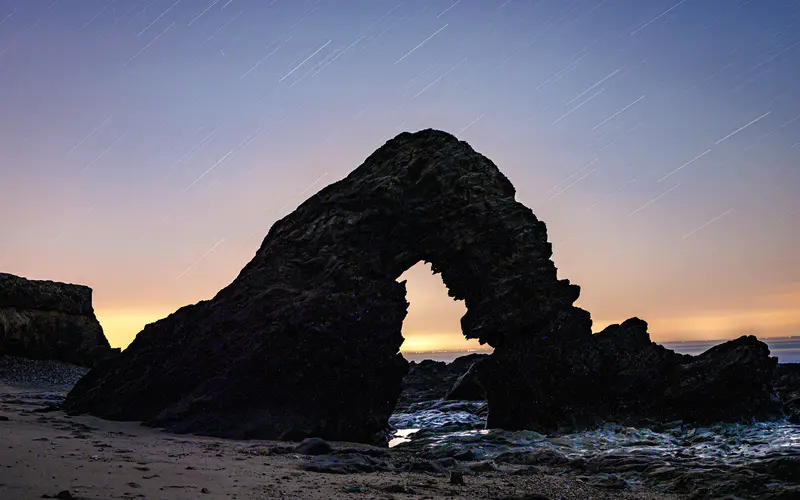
786	349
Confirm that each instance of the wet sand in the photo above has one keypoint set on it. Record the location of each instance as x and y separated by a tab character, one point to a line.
48	452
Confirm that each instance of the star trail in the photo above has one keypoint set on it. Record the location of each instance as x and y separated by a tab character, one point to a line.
658	140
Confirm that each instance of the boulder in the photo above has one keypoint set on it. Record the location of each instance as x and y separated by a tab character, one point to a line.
305	341
50	320
430	380
787	386
468	386
313	446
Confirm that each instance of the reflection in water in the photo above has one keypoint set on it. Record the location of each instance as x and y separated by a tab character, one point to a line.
401	436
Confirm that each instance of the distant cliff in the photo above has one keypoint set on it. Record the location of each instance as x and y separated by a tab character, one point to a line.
50	320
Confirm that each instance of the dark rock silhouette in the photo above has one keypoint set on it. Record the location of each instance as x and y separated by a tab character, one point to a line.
787	385
305	341
468	386
429	379
642	378
50	320
638	375
313	446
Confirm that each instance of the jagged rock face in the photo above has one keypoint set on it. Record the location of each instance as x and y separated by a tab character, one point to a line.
305	341
50	320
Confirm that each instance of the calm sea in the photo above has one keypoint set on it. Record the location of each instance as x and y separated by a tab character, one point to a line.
787	350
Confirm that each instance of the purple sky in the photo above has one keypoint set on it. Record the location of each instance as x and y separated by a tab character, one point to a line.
146	147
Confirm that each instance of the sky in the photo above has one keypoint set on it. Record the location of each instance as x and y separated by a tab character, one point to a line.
146	147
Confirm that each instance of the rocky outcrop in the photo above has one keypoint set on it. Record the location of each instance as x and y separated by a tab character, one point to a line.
619	374
50	320
305	341
429	379
787	385
468	386
642	378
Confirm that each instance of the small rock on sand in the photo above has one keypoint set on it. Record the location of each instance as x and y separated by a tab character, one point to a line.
313	446
456	477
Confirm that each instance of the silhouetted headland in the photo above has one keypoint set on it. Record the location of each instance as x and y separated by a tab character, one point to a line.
50	320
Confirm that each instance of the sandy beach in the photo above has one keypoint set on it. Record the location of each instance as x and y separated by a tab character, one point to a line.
49	452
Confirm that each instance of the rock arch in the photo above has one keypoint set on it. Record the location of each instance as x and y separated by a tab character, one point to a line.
305	341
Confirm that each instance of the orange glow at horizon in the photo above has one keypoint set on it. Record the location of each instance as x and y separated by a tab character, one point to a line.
433	320
121	326
155	183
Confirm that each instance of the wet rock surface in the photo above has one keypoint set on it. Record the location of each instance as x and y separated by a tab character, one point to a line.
50	320
758	460
305	341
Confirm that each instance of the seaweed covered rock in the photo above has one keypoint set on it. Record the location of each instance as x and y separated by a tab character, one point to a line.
305	341
50	320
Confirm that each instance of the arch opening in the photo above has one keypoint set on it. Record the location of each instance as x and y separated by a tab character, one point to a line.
438	352
432	327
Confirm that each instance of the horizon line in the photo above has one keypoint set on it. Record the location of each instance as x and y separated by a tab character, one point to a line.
662	342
